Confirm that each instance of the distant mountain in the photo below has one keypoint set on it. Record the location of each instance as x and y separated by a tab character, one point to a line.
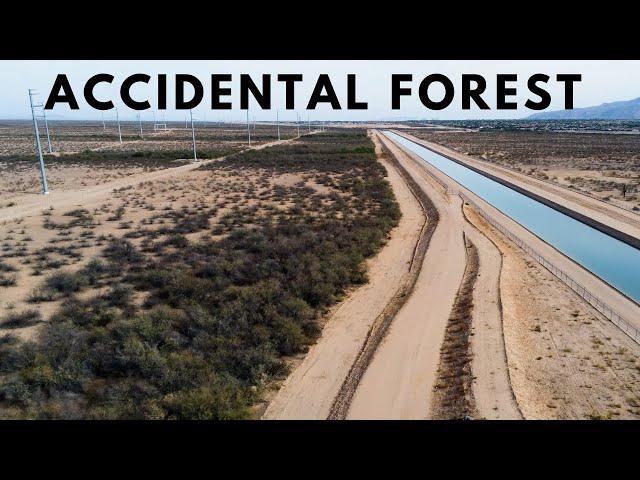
625	110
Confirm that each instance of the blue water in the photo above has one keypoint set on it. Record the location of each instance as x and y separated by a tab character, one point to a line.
610	259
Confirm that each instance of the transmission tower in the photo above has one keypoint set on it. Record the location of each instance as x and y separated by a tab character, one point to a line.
140	126
46	127
248	127
43	173
118	120
193	136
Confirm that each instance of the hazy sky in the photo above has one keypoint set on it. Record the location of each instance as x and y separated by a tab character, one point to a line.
602	81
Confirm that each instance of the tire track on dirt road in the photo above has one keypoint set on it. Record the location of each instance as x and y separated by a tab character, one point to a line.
492	388
398	382
378	330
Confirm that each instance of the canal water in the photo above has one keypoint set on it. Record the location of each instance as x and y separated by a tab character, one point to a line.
614	261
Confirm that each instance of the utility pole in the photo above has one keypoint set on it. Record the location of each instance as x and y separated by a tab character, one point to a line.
46	127
308	122
43	173
118	120
140	125
278	124
193	136
248	127
298	123
104	126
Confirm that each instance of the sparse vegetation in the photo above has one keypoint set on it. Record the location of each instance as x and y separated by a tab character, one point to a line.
168	325
604	165
21	319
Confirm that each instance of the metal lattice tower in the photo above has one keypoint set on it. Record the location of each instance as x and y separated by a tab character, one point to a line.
43	172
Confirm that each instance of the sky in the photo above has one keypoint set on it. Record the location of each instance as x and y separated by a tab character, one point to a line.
602	81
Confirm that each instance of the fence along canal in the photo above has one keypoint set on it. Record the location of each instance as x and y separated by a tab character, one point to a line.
601	306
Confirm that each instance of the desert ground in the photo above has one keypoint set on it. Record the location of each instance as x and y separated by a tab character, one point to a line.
487	332
327	276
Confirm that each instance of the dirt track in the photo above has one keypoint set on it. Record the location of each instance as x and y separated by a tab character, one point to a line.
34	204
398	381
527	319
309	392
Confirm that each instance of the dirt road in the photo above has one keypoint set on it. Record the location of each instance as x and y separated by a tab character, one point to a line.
68	199
492	390
399	381
624	306
309	392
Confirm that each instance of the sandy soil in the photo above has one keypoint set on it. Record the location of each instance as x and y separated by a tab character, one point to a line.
141	196
566	361
34	204
494	398
548	331
309	391
622	220
399	380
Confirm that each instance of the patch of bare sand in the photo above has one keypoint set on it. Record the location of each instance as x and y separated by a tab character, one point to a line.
566	361
291	179
309	392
